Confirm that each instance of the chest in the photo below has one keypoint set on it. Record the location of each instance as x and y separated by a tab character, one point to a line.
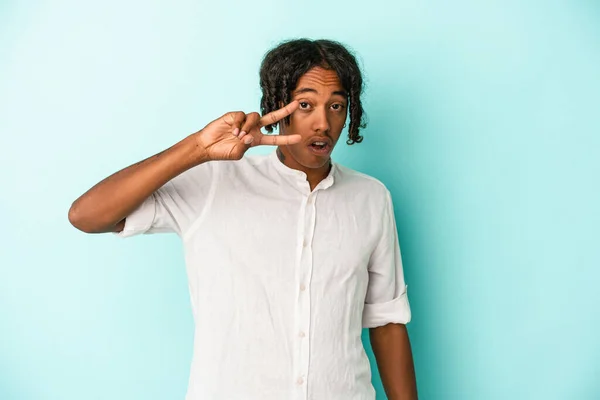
275	236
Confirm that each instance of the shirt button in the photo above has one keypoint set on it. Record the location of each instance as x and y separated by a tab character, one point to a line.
301	334
311	200
300	381
303	287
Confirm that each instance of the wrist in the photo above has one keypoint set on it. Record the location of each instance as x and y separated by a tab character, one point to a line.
196	154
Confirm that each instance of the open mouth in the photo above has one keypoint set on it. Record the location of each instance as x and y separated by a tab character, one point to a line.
319	147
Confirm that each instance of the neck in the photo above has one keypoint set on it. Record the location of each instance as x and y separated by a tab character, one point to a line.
313	175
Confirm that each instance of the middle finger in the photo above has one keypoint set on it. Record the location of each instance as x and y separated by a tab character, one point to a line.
273	117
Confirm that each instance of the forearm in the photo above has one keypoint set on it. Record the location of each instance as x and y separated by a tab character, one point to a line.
105	205
392	350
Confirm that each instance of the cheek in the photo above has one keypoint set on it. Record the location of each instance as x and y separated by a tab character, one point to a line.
337	124
297	125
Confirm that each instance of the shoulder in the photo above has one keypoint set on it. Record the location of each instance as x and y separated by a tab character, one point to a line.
248	164
227	167
202	179
358	182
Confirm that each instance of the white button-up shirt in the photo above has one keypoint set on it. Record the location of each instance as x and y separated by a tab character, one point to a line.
282	280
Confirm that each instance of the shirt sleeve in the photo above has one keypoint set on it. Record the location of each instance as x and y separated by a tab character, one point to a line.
386	300
175	206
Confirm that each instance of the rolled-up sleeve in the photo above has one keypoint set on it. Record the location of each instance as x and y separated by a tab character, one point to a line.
140	220
386	300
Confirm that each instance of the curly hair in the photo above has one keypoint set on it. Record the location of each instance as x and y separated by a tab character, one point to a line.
283	66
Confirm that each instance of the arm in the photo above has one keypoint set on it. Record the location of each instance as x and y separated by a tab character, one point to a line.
105	206
387	311
391	347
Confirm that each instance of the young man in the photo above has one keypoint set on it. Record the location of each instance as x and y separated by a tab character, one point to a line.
288	255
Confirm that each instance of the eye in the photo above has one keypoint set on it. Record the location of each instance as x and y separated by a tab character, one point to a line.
304	105
337	107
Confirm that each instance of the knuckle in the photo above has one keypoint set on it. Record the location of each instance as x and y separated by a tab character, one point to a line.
254	117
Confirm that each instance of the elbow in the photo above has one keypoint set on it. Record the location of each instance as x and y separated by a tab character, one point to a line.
77	219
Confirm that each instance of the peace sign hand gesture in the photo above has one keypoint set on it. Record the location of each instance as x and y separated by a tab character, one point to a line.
230	136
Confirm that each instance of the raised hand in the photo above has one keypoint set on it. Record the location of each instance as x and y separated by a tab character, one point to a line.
230	136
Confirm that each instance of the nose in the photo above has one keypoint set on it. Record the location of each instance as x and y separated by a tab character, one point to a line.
320	121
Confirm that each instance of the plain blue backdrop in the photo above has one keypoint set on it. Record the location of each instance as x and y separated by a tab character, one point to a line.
483	123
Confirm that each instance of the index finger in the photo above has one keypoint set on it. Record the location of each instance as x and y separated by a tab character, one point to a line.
274	117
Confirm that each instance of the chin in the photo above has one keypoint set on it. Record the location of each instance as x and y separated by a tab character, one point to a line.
308	160
316	165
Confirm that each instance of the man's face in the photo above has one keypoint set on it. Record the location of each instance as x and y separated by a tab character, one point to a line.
319	119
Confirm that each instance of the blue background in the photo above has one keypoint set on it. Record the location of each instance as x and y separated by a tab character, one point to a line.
483	124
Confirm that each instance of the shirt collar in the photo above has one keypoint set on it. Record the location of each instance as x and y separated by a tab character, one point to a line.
300	177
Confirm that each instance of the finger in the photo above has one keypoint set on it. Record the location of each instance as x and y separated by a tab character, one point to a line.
249	124
235	120
277	115
278	140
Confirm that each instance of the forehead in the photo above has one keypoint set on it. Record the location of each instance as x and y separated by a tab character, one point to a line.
320	78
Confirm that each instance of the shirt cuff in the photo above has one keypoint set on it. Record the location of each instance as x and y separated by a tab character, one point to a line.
140	220
394	311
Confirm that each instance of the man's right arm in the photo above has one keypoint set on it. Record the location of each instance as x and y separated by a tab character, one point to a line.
105	206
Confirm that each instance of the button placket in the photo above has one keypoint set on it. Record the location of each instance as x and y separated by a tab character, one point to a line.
304	300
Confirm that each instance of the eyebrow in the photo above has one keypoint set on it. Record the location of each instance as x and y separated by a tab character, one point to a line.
342	93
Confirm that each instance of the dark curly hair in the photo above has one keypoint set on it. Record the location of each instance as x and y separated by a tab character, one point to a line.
283	66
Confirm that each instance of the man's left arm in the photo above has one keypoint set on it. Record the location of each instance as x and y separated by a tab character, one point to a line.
387	311
392	350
